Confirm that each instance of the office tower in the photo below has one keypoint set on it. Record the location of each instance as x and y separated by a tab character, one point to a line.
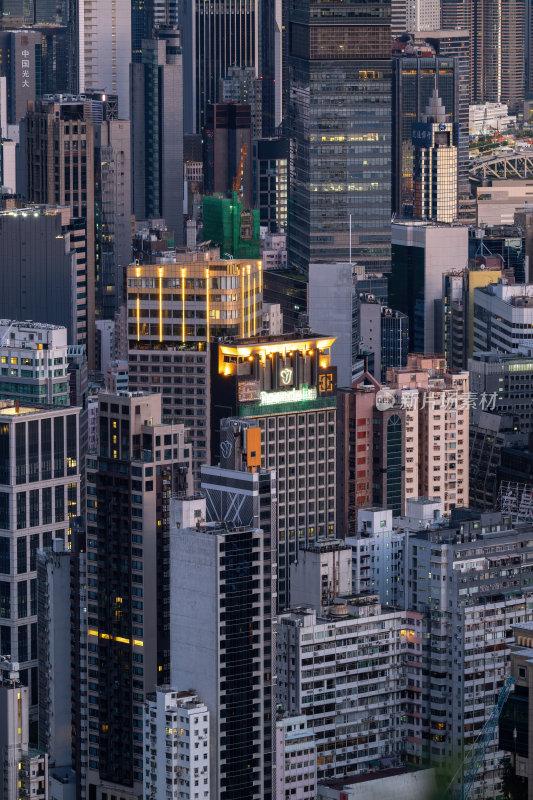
384	336
421	253
284	385
288	289
468	606
34	367
241	85
222	642
273	46
40	480
20	62
139	464
47	250
58	129
376	460
228	150
112	214
439	411
497	47
339	129
417	73
435	165
214	39
202	299
176	735
408	17
503	315
104	48
295	757
157	131
384	721
270	182
334	307
23	771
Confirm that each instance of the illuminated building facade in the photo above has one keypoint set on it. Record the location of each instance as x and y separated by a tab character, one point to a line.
39	493
173	311
339	124
283	389
140	463
193	301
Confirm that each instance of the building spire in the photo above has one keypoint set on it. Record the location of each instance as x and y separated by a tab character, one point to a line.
435	111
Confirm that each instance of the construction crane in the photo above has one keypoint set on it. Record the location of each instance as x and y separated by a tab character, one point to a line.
474	758
237	180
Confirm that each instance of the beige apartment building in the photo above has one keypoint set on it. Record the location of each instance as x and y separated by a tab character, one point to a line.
436	404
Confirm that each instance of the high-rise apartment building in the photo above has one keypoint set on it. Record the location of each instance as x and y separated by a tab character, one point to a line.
476	572
176	735
295	757
384	335
496	47
436	404
435	165
422	253
157	130
408	16
140	463
104	48
324	659
34	363
222	642
377	459
339	128
40	482
214	39
283	390
23	771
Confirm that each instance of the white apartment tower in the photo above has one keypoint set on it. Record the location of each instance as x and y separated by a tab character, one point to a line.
33	362
176	746
23	772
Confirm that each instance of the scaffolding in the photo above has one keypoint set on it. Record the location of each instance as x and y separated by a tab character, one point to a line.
516	499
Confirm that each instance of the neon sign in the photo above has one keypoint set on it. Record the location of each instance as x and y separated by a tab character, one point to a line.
292	396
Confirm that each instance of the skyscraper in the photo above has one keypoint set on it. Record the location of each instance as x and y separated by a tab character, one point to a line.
129	482
340	133
222	641
40	482
497	46
104	48
215	38
416	75
157	131
435	164
283	389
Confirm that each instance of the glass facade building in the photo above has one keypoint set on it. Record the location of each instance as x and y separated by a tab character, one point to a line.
414	80
339	133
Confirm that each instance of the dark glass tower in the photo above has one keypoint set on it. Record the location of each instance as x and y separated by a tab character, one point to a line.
339	60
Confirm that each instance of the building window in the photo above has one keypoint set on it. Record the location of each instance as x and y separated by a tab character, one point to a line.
21	510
